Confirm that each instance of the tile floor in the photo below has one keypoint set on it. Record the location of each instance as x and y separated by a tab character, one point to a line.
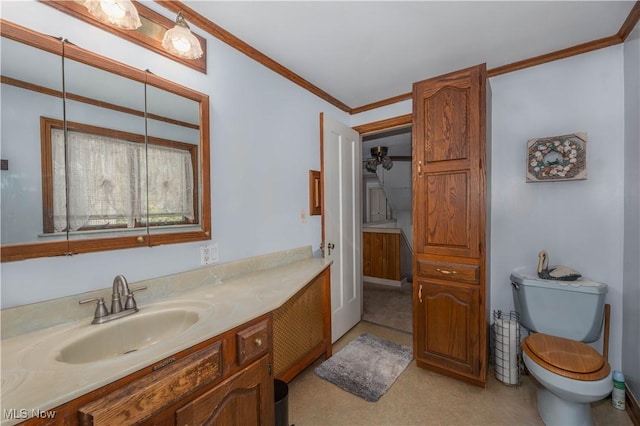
421	397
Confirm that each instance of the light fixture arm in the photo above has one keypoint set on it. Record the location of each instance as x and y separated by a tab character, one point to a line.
181	21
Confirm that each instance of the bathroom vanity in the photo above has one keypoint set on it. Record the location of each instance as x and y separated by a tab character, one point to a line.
212	360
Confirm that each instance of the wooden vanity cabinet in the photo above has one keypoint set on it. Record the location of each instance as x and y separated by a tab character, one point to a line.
450	159
225	380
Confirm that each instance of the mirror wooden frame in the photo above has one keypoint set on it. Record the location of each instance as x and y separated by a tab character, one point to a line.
19	251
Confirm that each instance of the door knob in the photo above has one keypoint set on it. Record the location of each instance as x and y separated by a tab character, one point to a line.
330	247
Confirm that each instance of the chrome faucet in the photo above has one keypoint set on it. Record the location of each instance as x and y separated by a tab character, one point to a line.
120	290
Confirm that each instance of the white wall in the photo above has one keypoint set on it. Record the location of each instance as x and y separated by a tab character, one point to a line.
580	223
631	288
264	140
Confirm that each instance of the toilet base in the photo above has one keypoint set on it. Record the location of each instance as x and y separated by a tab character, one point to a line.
556	411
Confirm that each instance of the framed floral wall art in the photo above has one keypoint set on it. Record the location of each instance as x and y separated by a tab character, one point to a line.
557	158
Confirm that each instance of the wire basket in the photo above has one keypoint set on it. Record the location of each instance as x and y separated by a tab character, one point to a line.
506	347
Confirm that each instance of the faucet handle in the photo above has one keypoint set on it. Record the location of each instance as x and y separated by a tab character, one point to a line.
130	303
101	309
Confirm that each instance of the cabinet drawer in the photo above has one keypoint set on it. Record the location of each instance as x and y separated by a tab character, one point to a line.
449	271
144	398
252	342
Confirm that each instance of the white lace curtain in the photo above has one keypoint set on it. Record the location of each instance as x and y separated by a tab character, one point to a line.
107	181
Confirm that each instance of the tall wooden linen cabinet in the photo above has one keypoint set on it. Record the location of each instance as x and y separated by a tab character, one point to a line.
450	224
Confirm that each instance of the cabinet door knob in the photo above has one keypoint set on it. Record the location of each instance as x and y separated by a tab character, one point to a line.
420	293
445	272
258	341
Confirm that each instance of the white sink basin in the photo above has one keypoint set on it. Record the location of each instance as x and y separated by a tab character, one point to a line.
127	334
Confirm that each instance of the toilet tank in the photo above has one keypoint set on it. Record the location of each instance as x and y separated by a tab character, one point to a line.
570	309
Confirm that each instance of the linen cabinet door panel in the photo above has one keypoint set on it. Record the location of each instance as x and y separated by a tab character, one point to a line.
447	119
449	226
448	330
445	129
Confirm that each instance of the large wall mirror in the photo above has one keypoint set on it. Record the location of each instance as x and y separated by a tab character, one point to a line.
96	155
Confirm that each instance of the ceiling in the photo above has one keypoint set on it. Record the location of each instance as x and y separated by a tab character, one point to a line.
361	52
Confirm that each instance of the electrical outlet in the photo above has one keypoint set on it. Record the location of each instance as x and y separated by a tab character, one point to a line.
303	216
208	254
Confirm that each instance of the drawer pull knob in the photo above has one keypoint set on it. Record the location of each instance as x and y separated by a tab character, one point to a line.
445	272
258	342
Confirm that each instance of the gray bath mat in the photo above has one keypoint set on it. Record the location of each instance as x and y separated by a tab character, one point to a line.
367	366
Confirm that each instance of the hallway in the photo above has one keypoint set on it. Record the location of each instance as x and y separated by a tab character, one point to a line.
388	306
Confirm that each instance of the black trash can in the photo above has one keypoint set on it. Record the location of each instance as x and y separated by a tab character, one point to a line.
280	396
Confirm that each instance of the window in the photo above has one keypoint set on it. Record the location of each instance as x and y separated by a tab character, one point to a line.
107	184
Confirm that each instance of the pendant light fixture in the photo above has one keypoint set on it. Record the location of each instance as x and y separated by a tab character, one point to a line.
379	156
180	41
119	13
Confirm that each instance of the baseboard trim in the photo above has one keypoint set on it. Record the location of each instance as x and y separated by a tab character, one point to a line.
385	281
633	408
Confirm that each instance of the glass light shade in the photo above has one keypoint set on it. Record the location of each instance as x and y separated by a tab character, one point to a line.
387	163
180	41
371	165
119	13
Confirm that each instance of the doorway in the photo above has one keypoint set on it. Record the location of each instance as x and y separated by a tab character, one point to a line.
387	228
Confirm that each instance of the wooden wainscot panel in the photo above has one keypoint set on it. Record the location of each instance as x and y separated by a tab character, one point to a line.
148	396
381	255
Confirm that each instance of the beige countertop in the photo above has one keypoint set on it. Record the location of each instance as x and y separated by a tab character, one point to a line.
382	230
33	379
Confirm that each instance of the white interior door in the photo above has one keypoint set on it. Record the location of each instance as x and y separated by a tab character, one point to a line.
342	177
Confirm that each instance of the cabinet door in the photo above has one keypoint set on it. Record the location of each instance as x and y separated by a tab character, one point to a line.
245	398
448	327
449	113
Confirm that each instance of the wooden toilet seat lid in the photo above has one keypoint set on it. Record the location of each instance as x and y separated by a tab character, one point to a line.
566	357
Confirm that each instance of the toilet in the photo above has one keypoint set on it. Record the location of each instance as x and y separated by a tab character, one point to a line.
562	317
